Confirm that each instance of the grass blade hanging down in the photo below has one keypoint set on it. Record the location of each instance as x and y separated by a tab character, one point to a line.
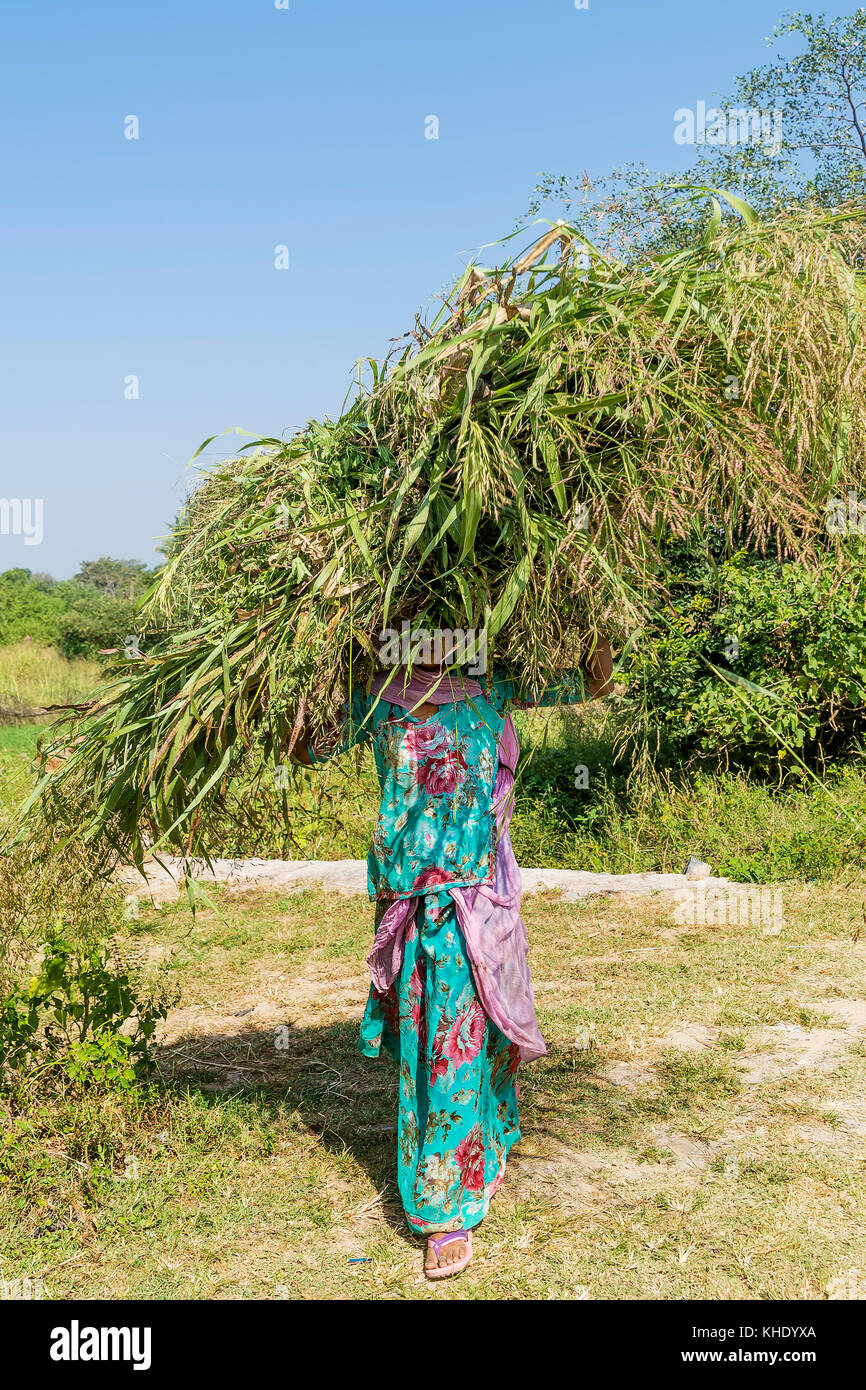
528	458
514	587
470	509
547	449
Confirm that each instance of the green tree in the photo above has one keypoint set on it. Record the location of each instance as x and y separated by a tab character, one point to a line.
810	149
93	612
126	578
819	94
100	614
95	621
30	606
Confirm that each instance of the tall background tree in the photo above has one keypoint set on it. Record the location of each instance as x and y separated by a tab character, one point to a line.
812	149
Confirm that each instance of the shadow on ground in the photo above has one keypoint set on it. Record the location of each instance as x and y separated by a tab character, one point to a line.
350	1102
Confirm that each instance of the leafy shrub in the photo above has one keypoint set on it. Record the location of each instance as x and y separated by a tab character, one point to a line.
83	1010
74	1000
756	663
93	622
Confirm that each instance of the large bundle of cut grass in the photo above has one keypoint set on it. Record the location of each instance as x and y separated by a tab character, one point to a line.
519	468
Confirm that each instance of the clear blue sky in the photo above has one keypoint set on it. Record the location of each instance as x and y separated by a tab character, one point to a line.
260	127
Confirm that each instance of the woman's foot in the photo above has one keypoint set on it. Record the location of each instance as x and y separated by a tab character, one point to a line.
447	1254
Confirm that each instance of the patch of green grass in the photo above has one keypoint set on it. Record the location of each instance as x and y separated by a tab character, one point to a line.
17	750
19	738
686	1081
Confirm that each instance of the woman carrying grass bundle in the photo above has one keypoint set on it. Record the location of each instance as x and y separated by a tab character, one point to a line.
451	998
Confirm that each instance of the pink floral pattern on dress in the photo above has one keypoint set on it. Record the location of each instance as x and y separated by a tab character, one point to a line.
416	994
470	1156
440	765
465	1037
432	878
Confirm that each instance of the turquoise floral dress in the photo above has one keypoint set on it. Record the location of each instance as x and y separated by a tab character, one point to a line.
457	1109
457	1114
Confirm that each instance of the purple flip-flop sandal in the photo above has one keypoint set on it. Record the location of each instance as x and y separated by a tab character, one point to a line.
437	1243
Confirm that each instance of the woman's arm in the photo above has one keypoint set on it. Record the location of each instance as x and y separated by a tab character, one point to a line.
591	682
599	668
356	728
301	751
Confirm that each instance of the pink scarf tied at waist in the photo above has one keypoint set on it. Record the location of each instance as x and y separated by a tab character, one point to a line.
488	913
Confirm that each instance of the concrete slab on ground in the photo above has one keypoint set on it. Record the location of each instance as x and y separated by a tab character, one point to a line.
349	876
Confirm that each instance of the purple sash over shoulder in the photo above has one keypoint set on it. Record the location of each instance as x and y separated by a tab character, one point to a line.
488	913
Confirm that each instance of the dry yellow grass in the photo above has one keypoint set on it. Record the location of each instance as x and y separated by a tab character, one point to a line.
33	676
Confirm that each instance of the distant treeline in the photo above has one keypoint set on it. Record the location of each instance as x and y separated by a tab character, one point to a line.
92	612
